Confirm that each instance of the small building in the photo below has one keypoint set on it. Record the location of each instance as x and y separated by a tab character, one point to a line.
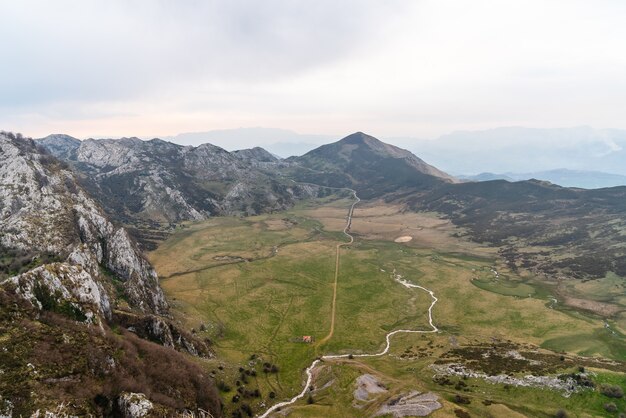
307	339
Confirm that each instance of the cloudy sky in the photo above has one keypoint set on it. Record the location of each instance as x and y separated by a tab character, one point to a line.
391	68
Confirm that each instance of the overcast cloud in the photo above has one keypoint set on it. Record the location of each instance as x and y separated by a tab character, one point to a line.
392	68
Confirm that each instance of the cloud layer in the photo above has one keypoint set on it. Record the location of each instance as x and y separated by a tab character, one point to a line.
399	67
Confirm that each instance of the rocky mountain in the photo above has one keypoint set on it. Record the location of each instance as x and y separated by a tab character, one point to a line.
61	145
160	181
67	275
255	155
368	165
44	211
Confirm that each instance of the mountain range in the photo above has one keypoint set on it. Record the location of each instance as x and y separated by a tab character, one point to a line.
75	215
143	184
562	177
524	150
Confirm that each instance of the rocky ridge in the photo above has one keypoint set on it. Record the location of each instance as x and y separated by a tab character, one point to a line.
157	181
71	277
44	210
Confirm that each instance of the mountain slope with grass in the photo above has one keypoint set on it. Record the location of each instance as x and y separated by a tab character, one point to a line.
368	165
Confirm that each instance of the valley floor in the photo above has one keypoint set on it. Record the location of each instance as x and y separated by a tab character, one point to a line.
262	289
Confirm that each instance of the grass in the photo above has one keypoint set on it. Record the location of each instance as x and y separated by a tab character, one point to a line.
259	307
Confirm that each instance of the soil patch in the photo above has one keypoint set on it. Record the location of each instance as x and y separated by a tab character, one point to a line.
367	385
413	404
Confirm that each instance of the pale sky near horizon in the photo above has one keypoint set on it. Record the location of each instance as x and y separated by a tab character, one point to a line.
390	68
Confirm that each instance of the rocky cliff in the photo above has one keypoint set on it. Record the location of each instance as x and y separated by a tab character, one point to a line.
68	278
44	211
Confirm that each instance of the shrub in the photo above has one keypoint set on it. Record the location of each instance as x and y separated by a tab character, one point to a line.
246	409
610	407
612	391
222	386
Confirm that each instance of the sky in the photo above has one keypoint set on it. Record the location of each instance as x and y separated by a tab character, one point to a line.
390	68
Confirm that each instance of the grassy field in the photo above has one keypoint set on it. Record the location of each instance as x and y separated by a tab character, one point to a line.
255	286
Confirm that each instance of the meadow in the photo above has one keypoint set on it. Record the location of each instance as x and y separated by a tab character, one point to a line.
256	286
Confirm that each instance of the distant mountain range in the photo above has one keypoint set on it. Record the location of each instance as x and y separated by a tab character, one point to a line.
562	177
281	142
524	150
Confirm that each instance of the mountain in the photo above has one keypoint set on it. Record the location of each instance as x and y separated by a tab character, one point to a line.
45	212
289	149
514	216
255	155
82	316
282	142
562	177
146	182
489	177
368	165
526	150
61	145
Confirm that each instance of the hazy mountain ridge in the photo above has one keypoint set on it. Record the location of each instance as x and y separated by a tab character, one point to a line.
524	150
562	177
282	142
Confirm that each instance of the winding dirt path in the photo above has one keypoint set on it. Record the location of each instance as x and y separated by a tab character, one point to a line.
334	302
315	363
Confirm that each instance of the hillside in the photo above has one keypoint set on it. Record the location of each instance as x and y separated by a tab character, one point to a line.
555	232
68	277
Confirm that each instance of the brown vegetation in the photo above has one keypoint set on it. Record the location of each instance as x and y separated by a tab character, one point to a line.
61	360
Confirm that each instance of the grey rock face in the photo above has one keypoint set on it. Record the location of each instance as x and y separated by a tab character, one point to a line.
60	145
160	181
44	210
164	332
134	405
64	283
256	155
